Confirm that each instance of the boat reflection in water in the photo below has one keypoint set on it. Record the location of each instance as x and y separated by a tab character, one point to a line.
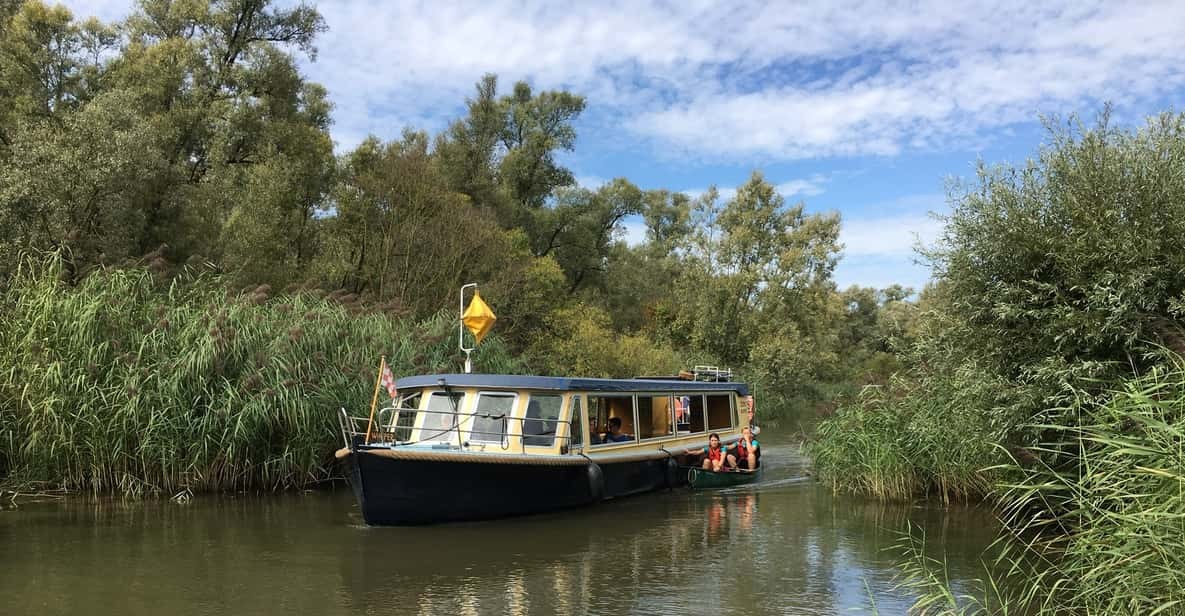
607	559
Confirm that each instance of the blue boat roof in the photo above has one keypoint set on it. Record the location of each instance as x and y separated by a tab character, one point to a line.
512	381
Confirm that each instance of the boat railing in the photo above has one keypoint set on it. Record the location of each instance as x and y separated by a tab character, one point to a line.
393	427
714	374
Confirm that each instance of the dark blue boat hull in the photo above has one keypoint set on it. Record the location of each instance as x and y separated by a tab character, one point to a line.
396	491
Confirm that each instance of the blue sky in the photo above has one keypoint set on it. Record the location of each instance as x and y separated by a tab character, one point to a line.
865	108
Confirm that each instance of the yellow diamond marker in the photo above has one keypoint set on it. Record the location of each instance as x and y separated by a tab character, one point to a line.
478	317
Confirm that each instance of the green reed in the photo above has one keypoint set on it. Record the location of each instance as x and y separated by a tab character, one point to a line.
903	440
1093	521
135	384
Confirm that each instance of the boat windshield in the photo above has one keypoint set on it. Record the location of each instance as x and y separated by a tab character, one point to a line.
543	415
440	423
489	419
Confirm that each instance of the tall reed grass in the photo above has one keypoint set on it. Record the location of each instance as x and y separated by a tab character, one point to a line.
133	383
932	437
1094	521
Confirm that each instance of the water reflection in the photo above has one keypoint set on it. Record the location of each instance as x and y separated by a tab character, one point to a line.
780	546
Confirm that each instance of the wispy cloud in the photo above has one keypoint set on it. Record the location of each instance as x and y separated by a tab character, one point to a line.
893	236
633	231
892	228
798	187
590	182
804	187
724	194
749	81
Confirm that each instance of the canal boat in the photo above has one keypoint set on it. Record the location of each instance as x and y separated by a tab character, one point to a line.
477	446
700	478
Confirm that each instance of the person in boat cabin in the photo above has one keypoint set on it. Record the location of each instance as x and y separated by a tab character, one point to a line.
615	435
594	435
716	458
747	450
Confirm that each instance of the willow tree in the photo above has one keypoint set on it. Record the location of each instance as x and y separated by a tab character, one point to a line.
757	287
192	129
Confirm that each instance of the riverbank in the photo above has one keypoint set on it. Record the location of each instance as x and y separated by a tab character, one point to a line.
139	385
1048	376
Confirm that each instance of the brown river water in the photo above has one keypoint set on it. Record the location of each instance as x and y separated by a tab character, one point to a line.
784	545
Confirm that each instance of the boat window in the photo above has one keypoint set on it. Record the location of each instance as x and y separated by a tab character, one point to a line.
689	414
602	409
543	415
440	420
654	416
403	417
719	412
576	426
489	419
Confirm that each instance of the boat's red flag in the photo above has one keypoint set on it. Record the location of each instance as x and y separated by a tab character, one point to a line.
389	381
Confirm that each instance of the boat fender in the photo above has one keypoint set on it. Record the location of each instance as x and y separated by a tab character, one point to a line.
596	481
672	472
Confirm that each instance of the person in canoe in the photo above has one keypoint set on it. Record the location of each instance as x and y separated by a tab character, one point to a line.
747	450
716	458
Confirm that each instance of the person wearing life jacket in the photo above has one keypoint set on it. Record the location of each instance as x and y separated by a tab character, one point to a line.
747	450
715	456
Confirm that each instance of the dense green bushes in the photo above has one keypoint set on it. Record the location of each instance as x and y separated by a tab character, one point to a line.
1055	280
134	383
1039	375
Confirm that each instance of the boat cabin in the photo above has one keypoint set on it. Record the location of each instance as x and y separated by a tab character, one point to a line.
553	415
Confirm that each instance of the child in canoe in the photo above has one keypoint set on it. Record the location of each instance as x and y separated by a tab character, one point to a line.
716	458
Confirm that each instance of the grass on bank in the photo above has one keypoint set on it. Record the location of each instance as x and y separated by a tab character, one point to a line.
1093	522
133	383
907	439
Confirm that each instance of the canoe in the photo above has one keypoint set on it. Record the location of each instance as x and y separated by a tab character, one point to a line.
700	479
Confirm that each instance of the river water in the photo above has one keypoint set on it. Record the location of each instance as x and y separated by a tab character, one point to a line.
784	545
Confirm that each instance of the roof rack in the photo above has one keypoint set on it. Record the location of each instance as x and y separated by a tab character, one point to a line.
713	374
708	374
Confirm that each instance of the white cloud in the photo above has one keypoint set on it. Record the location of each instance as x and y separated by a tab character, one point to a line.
753	80
590	182
804	187
633	231
106	10
893	236
724	194
892	229
880	272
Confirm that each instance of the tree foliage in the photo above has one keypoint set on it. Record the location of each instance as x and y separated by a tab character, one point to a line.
189	135
1060	281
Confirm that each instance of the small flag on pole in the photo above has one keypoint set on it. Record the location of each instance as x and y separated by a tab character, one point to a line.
389	381
478	318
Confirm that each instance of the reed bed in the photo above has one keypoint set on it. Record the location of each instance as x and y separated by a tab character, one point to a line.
903	440
136	384
1093	522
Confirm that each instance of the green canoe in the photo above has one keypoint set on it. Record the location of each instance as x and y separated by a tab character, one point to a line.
700	479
